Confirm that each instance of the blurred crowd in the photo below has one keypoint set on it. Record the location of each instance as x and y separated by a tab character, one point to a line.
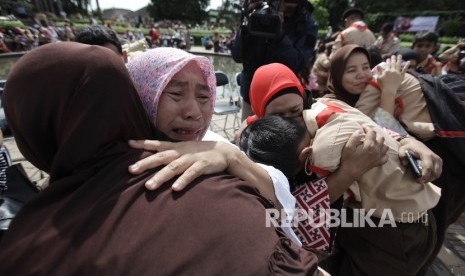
164	33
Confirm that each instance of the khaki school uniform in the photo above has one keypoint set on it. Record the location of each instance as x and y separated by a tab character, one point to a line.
357	33
385	250
411	109
391	186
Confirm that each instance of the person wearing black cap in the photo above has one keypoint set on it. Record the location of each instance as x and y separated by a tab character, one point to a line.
410	56
425	43
355	32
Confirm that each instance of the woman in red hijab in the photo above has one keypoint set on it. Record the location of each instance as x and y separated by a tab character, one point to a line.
72	108
270	83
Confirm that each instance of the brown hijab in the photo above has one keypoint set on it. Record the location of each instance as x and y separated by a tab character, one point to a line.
72	108
75	120
336	72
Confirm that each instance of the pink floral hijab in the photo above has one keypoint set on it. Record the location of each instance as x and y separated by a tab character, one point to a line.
152	70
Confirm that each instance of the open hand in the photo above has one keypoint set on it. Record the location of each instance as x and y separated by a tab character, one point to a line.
189	159
393	74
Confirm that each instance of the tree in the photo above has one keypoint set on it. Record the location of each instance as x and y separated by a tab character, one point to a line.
333	8
320	13
99	12
227	7
189	11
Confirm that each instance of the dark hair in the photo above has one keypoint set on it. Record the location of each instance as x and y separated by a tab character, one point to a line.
98	35
282	92
387	28
353	13
425	36
407	54
274	140
375	56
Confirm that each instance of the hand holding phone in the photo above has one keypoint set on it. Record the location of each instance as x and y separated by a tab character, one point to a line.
413	164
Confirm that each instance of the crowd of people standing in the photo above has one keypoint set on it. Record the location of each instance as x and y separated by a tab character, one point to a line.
116	133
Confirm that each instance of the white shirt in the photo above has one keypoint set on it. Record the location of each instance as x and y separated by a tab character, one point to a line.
281	188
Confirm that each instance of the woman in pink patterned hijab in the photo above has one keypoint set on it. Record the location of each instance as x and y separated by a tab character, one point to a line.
177	90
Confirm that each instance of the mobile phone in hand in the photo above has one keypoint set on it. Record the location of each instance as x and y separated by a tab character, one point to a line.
413	164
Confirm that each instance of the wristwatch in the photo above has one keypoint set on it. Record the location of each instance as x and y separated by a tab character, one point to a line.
402	137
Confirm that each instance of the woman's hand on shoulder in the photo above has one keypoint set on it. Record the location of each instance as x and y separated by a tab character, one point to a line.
189	160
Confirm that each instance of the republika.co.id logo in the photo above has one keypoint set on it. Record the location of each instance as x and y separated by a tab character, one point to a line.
339	218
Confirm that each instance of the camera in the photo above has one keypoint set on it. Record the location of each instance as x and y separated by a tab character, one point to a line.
264	21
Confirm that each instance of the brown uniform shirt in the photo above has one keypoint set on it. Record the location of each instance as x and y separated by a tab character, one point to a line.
357	33
390	186
411	108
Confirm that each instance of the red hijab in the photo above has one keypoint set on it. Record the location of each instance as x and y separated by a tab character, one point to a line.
336	72
267	81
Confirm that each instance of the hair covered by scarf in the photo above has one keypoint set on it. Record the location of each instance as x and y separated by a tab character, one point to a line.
336	73
267	81
153	70
62	125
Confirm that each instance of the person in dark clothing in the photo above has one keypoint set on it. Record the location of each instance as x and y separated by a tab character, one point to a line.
292	46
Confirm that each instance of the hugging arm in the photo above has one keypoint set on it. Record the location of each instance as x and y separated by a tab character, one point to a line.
431	163
363	151
191	159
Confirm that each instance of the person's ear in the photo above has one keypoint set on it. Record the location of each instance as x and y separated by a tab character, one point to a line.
125	56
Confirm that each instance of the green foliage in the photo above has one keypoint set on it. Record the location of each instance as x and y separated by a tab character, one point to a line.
451	12
453	26
122	30
227	14
187	11
408	39
11	24
202	33
73	6
321	32
376	20
321	16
